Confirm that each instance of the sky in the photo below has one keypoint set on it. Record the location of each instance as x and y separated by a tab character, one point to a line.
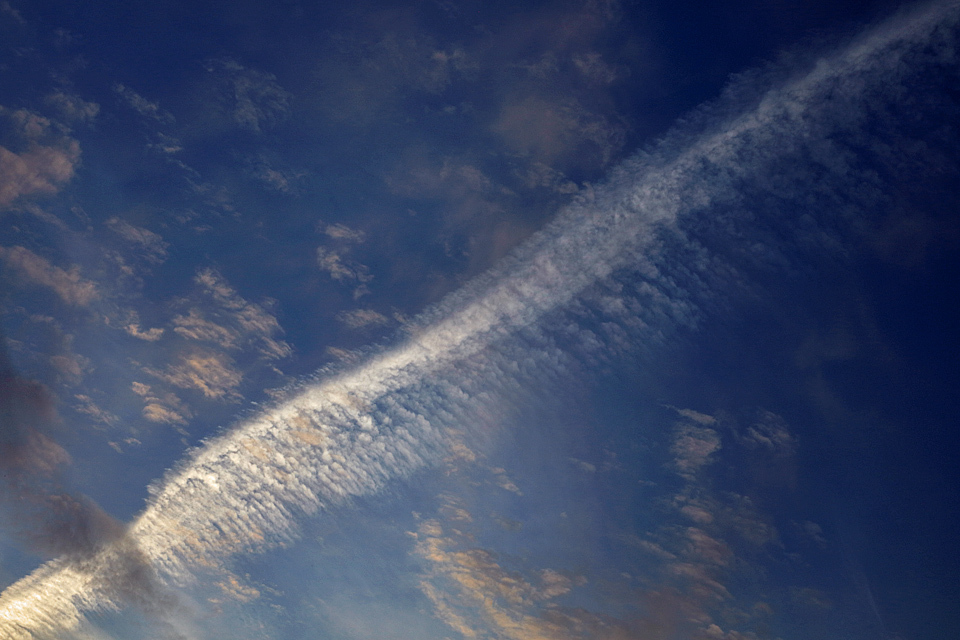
540	321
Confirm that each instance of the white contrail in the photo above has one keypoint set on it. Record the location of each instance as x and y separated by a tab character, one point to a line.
349	434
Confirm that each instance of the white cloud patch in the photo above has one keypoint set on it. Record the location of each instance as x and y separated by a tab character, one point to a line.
70	366
693	547
814	532
477	597
170	145
696	416
538	175
40	170
422	176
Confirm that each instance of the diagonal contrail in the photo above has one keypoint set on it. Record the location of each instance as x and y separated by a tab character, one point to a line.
350	433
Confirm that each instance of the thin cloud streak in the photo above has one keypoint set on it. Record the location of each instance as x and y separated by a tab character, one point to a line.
349	434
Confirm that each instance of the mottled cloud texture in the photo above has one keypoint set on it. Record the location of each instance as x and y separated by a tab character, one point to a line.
633	258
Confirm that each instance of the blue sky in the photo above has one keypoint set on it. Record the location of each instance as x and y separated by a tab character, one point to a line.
442	320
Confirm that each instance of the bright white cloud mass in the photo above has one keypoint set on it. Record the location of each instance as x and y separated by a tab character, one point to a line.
791	166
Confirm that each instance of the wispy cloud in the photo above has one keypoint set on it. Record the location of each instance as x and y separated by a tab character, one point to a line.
211	373
225	318
706	539
141	105
70	286
151	246
362	318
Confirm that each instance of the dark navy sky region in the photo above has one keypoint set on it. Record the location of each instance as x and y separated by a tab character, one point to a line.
479	320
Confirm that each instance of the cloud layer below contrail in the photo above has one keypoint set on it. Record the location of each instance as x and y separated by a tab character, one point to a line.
350	433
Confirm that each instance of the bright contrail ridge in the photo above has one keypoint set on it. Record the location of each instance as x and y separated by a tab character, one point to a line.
350	433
